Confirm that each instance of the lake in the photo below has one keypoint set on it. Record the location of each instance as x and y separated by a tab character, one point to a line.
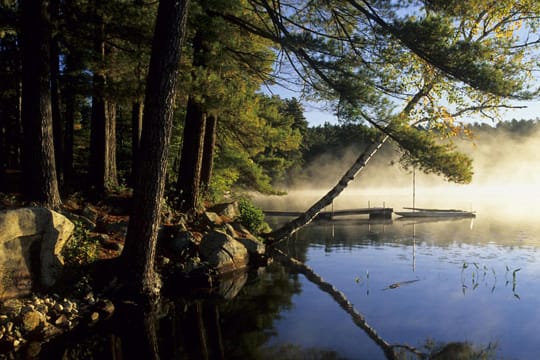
454	287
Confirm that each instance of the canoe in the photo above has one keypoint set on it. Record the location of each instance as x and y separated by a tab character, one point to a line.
436	213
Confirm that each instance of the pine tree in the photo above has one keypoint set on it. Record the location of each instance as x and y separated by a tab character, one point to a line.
38	151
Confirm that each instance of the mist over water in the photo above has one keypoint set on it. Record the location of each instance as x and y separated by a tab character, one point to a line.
506	181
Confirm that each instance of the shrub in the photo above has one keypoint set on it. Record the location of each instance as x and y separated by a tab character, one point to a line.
81	248
252	217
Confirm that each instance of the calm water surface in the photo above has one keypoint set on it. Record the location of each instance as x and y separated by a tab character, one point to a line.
471	285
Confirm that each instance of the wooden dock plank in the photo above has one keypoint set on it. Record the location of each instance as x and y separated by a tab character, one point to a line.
379	212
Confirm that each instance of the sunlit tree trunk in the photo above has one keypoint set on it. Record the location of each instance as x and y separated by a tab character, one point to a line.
208	150
139	251
304	219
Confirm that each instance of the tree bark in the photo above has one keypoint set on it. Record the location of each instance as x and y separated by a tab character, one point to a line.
102	170
208	151
304	219
136	129
111	175
70	100
55	98
38	152
189	174
139	251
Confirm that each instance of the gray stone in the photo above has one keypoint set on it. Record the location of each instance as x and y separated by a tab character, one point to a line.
223	252
28	235
12	307
229	210
90	213
213	218
253	246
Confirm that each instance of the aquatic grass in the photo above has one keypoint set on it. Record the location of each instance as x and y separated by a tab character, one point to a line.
480	274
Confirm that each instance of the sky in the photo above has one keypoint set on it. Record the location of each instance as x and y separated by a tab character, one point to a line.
316	114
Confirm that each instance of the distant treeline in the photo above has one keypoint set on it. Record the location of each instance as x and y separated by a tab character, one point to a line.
514	127
331	142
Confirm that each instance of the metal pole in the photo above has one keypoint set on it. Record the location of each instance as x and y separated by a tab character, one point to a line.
414	189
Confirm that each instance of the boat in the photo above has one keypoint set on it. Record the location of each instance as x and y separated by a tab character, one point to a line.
431	213
423	213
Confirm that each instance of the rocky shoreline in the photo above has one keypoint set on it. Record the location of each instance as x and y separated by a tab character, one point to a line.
199	256
26	323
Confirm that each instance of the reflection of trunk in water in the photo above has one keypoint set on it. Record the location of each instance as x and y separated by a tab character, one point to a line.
344	303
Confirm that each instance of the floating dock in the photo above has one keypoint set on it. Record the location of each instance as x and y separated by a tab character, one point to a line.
374	213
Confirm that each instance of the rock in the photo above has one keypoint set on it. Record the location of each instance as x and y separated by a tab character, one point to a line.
32	320
105	241
211	218
31	238
50	331
253	246
223	252
87	223
62	321
229	210
90	213
176	243
94	316
33	349
105	308
12	307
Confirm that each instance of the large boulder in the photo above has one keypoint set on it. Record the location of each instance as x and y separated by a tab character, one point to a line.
223	252
229	210
31	241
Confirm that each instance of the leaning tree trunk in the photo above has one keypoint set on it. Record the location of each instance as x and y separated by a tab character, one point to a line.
139	251
304	219
38	152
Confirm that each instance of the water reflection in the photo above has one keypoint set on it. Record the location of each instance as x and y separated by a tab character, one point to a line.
426	289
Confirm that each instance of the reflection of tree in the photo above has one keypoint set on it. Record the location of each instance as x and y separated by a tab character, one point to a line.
391	351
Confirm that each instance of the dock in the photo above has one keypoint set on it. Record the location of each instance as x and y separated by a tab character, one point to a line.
373	212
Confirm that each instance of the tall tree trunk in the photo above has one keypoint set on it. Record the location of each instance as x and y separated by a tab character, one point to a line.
139	252
99	110
102	134
55	97
208	151
189	174
111	176
38	152
136	129
304	219
69	130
